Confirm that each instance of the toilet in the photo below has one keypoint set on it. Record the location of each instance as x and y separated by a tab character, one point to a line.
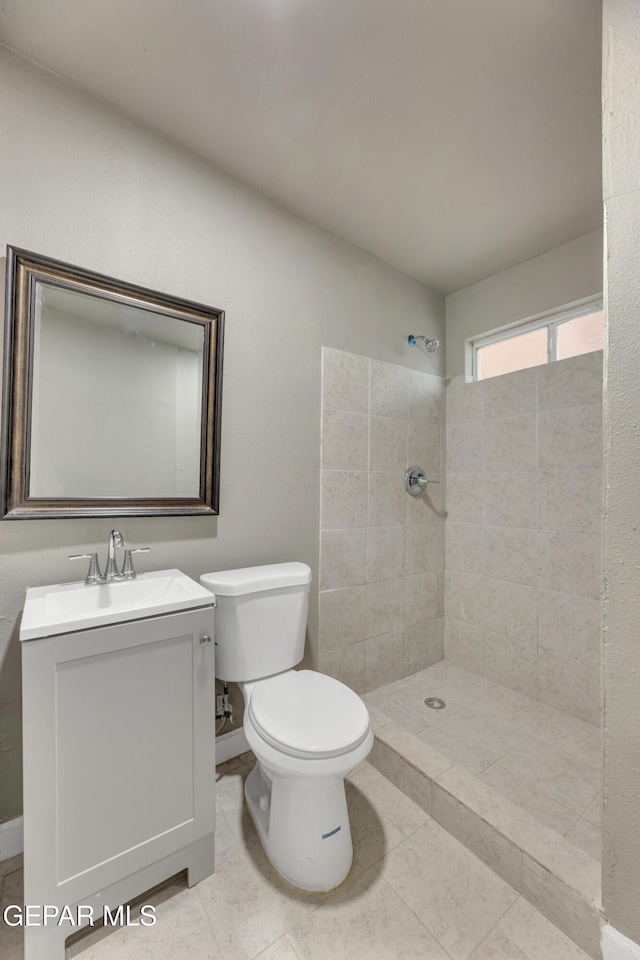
307	730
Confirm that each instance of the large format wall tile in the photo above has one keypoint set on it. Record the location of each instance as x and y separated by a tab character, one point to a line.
385	607
513	663
387	498
464	401
463	547
465	497
569	685
514	393
423	447
570	625
463	644
464	447
345	381
510	609
424	547
422	597
571	383
511	442
570	500
570	439
423	645
385	553
570	563
343	558
388	444
426	396
383	659
511	499
345	440
344	499
346	665
463	596
389	391
342	617
510	553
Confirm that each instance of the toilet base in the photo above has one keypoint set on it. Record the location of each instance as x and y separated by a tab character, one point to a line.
303	823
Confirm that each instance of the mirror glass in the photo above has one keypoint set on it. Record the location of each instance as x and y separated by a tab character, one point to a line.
116	400
112	396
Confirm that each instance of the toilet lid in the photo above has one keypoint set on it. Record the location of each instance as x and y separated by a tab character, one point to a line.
308	714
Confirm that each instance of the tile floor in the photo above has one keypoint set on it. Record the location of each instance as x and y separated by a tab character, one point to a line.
414	893
545	761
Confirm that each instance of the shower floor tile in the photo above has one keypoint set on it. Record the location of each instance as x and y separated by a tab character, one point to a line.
546	762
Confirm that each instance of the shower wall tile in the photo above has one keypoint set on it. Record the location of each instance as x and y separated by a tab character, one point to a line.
570	439
383	659
463	596
464	448
430	507
385	607
345	381
382	551
344	499
389	395
512	663
464	401
424	547
342	617
343	560
346	665
425	396
511	553
345	440
570	625
569	685
510	609
465	497
570	500
423	645
387	498
512	441
422	598
385	553
570	563
571	383
463	547
524	458
423	447
388	444
514	393
463	644
511	499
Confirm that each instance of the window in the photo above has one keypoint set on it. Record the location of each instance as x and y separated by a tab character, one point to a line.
575	330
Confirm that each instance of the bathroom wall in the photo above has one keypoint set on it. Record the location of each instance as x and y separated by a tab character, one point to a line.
563	275
82	183
523	570
382	551
621	669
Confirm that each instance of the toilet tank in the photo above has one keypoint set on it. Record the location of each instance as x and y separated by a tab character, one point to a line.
261	619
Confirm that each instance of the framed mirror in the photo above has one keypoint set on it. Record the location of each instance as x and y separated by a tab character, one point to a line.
111	397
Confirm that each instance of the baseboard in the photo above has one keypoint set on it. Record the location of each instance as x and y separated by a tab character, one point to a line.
11	838
231	745
615	946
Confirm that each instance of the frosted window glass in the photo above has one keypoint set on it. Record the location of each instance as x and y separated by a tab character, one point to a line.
516	353
581	335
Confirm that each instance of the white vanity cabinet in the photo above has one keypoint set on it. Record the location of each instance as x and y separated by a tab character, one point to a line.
119	766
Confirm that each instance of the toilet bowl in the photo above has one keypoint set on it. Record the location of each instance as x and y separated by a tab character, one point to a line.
307	730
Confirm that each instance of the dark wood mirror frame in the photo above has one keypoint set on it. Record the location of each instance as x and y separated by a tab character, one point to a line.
24	270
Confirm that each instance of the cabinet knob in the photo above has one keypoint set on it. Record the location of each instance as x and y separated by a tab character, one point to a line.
205	640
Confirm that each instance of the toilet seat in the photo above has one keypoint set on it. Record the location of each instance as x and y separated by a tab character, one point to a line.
307	714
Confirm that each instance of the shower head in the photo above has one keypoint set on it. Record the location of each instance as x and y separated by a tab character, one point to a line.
430	345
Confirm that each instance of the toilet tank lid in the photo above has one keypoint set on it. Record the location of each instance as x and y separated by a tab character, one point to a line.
233	583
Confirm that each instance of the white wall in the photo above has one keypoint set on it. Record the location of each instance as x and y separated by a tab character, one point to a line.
85	185
560	276
621	669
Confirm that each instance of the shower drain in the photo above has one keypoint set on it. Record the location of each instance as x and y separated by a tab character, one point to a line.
435	703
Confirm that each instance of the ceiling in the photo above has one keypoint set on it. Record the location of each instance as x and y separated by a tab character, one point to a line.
451	138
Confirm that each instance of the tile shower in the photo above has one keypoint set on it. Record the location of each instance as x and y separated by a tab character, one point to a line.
382	552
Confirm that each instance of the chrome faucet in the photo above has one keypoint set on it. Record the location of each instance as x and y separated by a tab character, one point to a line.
112	572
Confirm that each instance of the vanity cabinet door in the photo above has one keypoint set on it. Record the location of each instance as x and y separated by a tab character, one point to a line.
119	740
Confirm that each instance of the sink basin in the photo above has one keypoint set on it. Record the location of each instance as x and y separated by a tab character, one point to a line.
73	606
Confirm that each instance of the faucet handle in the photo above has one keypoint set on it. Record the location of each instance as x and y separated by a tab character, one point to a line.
128	570
93	574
